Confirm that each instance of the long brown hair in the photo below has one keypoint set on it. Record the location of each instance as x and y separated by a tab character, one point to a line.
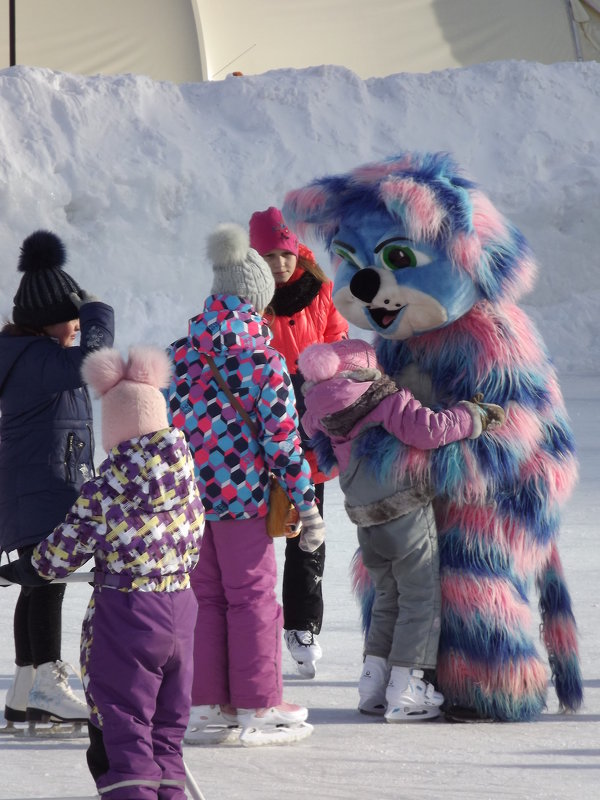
309	265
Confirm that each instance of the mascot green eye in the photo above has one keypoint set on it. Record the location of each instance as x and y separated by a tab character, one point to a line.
397	256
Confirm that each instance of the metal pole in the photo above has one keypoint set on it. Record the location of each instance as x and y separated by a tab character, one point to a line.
74	577
11	33
191	785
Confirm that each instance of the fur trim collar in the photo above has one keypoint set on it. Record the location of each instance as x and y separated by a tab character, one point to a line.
293	296
340	423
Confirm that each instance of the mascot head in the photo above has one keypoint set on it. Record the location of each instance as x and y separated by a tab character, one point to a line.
414	244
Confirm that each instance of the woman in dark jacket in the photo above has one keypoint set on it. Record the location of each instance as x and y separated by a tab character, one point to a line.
46	453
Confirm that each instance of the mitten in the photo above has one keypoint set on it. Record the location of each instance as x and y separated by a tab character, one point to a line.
79	300
492	415
313	530
22	572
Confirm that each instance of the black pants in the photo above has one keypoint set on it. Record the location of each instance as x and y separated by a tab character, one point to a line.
37	622
301	594
96	757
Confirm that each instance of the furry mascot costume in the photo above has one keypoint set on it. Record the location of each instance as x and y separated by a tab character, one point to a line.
425	261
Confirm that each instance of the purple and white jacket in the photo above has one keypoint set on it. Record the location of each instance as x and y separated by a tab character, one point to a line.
141	519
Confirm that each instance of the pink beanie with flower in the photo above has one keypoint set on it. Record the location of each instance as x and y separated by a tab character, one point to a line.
132	403
268	232
348	357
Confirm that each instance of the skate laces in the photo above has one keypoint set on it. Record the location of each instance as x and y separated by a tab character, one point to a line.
62	669
304	638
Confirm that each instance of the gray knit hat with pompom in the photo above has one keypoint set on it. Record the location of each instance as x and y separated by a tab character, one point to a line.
237	268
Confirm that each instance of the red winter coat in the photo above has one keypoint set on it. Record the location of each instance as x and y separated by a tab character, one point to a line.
317	322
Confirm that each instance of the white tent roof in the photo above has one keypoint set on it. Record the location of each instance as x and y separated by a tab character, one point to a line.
193	40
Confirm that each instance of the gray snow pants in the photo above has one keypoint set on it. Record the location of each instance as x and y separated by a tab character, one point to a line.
402	560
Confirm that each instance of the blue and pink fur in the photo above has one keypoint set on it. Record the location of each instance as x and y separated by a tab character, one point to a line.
425	261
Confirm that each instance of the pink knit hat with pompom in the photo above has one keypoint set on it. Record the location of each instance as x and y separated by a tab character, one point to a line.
320	362
132	403
268	231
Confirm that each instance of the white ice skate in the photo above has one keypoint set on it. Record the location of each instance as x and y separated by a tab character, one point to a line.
409	698
15	708
51	700
282	724
305	650
212	725
372	685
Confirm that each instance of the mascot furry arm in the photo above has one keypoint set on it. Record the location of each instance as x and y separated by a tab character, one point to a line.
426	262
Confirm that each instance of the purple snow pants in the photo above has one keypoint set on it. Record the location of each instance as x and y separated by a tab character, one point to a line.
237	643
139	664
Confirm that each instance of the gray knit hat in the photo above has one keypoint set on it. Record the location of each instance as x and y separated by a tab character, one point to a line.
237	268
43	294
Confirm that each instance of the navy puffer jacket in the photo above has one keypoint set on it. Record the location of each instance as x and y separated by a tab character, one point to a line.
46	434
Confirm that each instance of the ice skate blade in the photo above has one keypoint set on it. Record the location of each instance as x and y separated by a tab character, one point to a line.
215	735
12	729
401	714
52	730
275	735
307	669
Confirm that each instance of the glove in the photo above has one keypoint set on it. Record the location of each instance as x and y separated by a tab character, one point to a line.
492	416
22	572
313	530
79	300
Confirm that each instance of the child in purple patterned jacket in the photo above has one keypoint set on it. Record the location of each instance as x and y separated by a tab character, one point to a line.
142	521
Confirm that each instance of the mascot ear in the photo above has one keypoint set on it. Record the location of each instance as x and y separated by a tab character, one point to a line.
313	211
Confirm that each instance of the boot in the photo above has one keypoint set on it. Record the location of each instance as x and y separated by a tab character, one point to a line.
305	650
372	685
409	698
15	709
51	698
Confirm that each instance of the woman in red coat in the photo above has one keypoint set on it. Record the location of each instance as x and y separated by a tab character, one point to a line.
300	313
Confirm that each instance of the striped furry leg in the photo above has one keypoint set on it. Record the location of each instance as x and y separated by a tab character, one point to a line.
559	633
487	661
363	590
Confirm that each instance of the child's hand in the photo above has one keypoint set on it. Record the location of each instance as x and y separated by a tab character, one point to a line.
79	300
313	530
492	415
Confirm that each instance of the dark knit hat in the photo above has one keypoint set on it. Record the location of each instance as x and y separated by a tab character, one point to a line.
43	294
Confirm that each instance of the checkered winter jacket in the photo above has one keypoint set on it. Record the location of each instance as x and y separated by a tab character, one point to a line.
232	465
141	519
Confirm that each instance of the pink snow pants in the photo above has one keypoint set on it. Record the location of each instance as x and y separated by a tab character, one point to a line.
237	640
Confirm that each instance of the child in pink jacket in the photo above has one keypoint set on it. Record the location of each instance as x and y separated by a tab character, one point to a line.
345	395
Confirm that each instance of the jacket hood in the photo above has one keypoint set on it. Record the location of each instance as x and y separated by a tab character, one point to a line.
333	395
154	472
228	323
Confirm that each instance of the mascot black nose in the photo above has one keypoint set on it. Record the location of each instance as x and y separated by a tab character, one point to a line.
365	284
